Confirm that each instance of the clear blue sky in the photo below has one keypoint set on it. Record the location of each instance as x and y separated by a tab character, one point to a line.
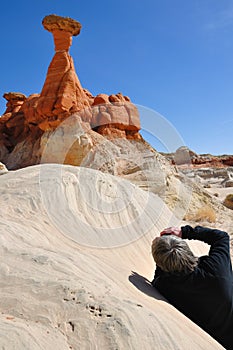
171	56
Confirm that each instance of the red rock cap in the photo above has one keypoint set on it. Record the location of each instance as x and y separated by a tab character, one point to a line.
54	22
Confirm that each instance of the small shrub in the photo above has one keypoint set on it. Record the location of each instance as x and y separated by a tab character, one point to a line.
228	201
205	213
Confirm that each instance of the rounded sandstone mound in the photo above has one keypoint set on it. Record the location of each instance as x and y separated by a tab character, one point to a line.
54	22
60	288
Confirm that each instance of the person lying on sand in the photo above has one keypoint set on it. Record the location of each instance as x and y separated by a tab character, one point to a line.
201	288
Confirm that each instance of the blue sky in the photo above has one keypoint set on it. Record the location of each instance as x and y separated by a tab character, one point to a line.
174	57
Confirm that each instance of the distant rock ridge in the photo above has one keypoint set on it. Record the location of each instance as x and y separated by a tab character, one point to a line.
205	169
26	119
186	157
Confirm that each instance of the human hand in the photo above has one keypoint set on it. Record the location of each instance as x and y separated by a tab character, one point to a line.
172	231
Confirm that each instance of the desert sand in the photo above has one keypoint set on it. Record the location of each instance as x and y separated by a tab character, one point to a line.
76	264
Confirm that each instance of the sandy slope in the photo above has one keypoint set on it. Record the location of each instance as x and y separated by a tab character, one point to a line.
75	264
221	191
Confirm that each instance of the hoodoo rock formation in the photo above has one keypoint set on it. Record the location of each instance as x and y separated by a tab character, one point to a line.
27	119
62	93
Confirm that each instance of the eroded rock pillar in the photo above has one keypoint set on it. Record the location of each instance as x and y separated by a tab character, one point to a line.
62	93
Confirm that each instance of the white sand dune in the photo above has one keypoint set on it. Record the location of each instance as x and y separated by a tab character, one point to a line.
75	265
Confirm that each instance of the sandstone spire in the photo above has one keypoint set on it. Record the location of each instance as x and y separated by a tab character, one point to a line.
62	93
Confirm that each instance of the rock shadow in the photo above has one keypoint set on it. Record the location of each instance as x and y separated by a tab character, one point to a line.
145	286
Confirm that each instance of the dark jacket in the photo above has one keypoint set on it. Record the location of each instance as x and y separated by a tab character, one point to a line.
206	294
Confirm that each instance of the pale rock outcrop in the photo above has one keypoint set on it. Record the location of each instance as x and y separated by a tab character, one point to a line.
60	289
142	165
3	169
183	155
228	181
210	176
70	143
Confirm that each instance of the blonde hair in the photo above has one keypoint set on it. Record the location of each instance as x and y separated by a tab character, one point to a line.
172	254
